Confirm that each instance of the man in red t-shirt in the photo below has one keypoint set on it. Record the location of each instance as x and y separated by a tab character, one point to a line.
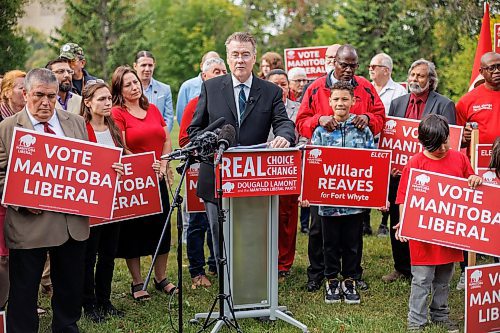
482	104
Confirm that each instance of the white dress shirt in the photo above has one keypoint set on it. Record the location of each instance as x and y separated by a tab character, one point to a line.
53	124
236	90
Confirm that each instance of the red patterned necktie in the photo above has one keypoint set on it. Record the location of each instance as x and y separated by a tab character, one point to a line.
47	129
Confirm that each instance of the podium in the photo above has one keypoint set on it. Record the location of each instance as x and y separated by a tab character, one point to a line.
252	179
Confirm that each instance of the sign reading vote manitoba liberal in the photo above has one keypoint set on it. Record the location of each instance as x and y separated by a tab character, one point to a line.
444	210
482	298
311	59
260	172
193	203
60	174
345	177
400	135
137	191
3	323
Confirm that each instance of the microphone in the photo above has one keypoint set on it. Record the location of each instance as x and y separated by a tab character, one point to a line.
251	100
225	140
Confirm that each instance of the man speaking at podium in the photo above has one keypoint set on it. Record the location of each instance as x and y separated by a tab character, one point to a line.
246	102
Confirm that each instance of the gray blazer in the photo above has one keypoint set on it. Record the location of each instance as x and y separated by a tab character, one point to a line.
24	230
436	104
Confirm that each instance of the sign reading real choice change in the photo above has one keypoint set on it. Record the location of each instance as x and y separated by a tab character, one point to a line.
60	174
137	191
193	203
312	59
345	177
400	135
260	172
482	298
444	210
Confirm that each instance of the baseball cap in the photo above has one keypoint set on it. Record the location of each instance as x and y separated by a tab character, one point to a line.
70	51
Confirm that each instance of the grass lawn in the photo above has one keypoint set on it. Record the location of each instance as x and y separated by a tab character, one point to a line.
383	307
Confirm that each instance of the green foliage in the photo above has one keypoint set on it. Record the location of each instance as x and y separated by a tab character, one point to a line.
38	50
181	31
109	31
13	47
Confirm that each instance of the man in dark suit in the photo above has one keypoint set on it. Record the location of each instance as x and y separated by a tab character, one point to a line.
31	233
248	103
422	100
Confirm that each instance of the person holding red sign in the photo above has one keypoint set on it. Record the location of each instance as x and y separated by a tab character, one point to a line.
143	129
342	226
103	239
432	266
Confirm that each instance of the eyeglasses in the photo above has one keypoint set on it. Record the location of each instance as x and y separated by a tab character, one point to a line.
91	82
301	80
344	65
39	95
492	68
372	67
329	58
62	71
243	56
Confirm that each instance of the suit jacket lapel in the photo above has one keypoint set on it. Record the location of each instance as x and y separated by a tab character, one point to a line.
429	105
253	98
66	125
405	102
228	93
24	121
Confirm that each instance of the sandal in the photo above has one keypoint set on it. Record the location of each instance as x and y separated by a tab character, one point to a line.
137	293
166	286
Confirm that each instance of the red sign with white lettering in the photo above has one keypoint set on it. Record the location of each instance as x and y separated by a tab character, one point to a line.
137	191
482	298
400	135
345	177
483	155
61	174
193	203
444	210
312	59
260	172
3	324
496	37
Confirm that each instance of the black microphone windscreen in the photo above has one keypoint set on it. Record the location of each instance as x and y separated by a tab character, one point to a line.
227	133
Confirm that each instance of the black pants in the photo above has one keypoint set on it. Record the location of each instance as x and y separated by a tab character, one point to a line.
341	238
66	270
101	245
400	250
316	267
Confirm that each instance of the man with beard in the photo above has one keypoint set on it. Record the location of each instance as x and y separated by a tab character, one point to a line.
315	111
66	100
422	100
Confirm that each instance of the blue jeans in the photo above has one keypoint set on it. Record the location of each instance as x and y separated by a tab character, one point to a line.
198	227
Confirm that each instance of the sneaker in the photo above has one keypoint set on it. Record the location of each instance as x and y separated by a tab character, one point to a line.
332	291
351	295
391	277
382	231
362	284
107	309
448	325
461	282
415	328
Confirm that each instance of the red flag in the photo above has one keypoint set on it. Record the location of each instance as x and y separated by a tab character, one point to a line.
483	46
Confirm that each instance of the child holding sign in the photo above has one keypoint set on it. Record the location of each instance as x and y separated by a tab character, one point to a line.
342	226
432	265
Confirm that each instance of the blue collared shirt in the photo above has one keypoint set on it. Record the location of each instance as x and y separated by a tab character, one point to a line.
159	94
188	90
64	103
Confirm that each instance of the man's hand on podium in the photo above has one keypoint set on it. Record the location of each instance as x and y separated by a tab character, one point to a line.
279	142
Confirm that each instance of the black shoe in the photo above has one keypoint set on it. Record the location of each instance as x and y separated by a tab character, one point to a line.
93	314
367	231
332	291
304	230
313	286
362	284
107	309
351	295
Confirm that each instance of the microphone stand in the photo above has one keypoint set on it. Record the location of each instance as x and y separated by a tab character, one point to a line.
222	298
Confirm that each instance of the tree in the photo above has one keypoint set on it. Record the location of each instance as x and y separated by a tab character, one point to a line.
109	31
13	47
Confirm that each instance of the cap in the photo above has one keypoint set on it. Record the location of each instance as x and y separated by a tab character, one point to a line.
71	51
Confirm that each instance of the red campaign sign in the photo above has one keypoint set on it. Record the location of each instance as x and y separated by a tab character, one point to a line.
489	176
60	174
345	177
483	155
444	210
496	37
400	135
193	203
482	298
3	324
260	172
137	191
404	84
312	59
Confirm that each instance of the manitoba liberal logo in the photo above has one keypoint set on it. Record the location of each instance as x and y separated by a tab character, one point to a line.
314	156
490	177
420	183
475	279
228	187
290	54
390	127
25	144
